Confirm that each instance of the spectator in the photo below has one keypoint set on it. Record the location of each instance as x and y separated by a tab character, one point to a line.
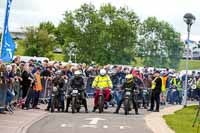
37	88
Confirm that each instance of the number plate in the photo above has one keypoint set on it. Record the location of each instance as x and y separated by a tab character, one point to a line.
173	90
145	91
75	91
128	93
55	89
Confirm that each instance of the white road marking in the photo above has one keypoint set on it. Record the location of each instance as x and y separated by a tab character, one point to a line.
105	126
89	126
94	121
121	127
66	125
63	125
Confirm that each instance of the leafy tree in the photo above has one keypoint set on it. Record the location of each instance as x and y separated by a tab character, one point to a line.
48	26
105	36
38	42
159	44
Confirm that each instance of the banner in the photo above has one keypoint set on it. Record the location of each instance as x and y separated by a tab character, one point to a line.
8	45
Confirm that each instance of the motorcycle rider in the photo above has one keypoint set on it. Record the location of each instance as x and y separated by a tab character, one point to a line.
58	81
102	81
129	83
77	82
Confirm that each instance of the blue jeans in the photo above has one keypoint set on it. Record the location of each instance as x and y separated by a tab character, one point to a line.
9	97
168	92
180	93
117	96
174	97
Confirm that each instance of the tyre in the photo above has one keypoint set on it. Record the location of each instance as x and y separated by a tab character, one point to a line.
73	104
52	104
78	110
126	106
101	104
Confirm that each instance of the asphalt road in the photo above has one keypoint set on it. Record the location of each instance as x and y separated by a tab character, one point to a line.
92	123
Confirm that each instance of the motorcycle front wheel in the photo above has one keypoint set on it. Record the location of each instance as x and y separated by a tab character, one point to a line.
126	106
101	104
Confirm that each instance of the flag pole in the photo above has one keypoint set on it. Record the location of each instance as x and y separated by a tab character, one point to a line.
2	36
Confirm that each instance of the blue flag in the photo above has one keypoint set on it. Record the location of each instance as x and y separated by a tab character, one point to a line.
8	45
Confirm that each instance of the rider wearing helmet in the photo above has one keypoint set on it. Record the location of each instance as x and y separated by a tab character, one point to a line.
129	83
102	81
59	80
77	82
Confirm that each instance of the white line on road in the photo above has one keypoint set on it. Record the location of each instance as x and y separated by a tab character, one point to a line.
66	125
105	126
121	127
94	121
63	125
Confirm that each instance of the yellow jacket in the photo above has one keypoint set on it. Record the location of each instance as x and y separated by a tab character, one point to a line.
102	82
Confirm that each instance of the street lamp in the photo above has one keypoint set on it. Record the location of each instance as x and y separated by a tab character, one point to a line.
189	20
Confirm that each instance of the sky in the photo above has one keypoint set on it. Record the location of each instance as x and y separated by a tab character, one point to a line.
32	12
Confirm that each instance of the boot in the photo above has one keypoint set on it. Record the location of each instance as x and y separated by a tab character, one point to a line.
94	109
86	110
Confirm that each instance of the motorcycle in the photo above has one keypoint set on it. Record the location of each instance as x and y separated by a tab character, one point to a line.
57	99
76	101
140	96
127	100
101	100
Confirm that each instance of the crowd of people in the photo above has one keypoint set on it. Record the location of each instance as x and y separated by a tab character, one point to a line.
27	83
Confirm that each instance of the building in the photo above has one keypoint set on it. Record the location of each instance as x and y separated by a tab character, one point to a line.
194	50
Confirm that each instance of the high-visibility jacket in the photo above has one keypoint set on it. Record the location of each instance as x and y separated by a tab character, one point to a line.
102	82
164	82
38	84
173	81
153	85
198	84
179	85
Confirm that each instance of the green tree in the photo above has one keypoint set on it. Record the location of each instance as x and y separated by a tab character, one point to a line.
48	26
159	44
38	42
105	36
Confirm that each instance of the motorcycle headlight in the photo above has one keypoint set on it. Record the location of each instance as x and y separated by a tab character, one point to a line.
55	89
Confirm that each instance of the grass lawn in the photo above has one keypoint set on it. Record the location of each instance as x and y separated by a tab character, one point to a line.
193	64
58	57
181	121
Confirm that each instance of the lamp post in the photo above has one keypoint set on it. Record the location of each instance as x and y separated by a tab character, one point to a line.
189	20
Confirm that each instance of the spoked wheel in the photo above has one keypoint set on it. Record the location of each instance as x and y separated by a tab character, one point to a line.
73	104
126	106
52	104
101	104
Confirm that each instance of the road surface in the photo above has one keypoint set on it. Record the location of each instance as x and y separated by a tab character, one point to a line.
91	123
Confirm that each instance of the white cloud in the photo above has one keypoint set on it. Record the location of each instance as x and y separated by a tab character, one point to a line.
31	12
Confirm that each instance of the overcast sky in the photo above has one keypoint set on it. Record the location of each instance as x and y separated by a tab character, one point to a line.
32	12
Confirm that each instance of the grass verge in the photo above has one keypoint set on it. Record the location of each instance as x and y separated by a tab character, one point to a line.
181	121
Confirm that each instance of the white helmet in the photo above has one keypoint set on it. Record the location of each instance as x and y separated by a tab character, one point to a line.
102	72
59	72
9	68
78	72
